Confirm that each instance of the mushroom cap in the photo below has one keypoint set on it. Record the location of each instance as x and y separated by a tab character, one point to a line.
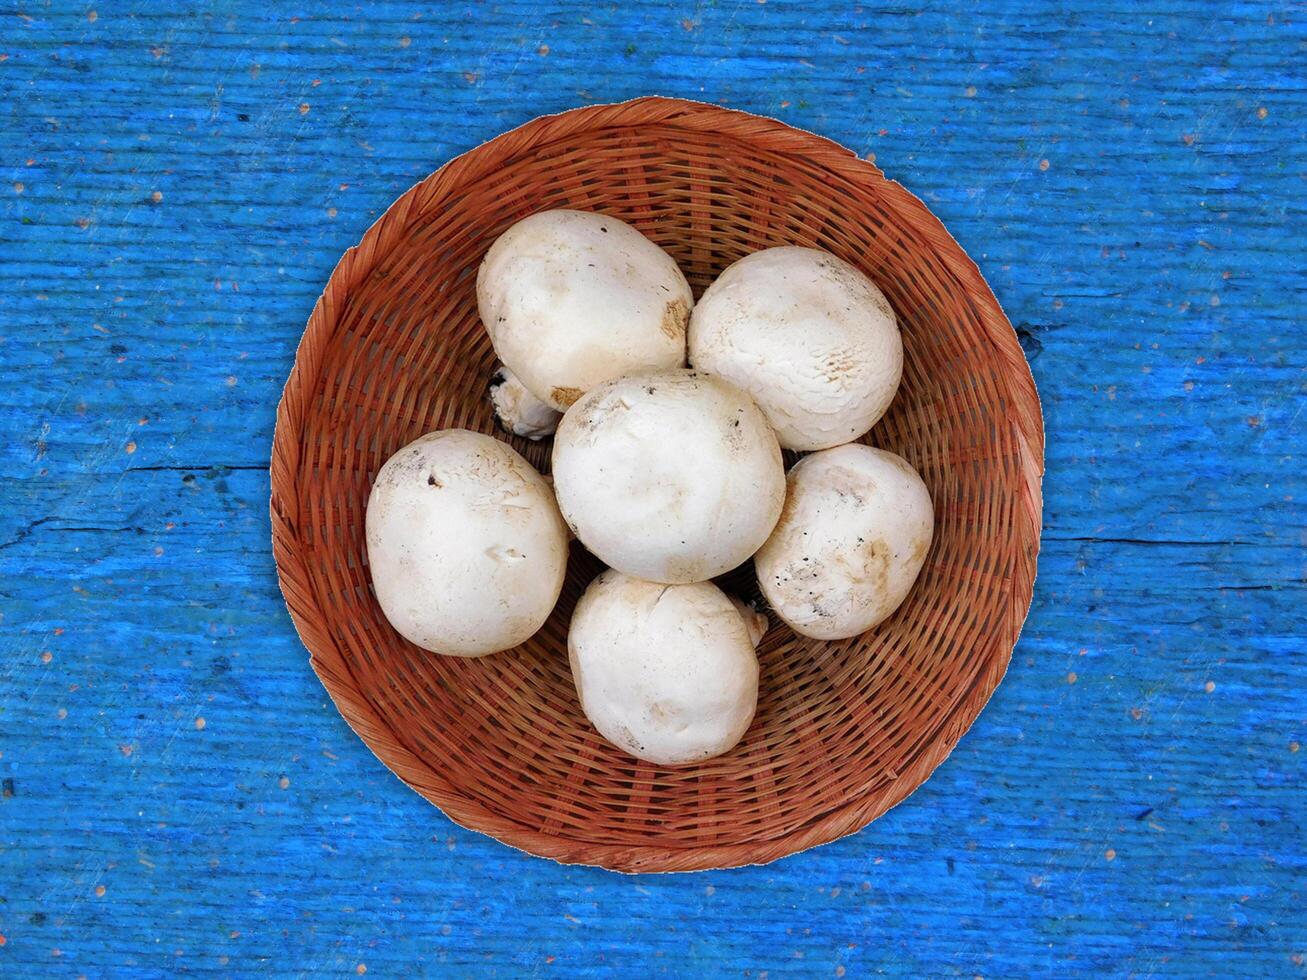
465	544
673	476
855	531
808	336
571	299
664	672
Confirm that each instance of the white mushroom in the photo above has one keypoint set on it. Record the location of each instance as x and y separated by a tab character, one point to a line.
857	525
665	672
465	543
673	476
519	411
808	336
572	299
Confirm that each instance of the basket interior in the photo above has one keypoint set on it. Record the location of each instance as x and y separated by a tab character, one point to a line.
837	723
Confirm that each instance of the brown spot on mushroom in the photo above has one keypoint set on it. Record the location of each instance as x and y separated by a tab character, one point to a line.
735	437
840	369
851	487
875	566
566	396
675	318
684	569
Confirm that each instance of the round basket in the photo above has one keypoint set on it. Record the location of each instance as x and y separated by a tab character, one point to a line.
844	730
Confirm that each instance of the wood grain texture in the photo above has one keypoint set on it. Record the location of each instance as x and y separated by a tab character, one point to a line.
178	186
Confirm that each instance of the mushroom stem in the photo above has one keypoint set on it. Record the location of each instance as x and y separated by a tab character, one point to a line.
519	411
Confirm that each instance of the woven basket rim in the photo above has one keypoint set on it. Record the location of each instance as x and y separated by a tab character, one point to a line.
359	261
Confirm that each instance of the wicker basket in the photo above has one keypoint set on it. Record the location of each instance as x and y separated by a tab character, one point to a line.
844	730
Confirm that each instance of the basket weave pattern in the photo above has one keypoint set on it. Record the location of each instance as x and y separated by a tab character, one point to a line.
844	730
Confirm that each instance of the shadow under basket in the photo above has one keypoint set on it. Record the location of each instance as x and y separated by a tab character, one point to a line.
844	730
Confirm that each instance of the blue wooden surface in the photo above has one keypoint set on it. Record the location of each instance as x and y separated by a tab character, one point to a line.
178	794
